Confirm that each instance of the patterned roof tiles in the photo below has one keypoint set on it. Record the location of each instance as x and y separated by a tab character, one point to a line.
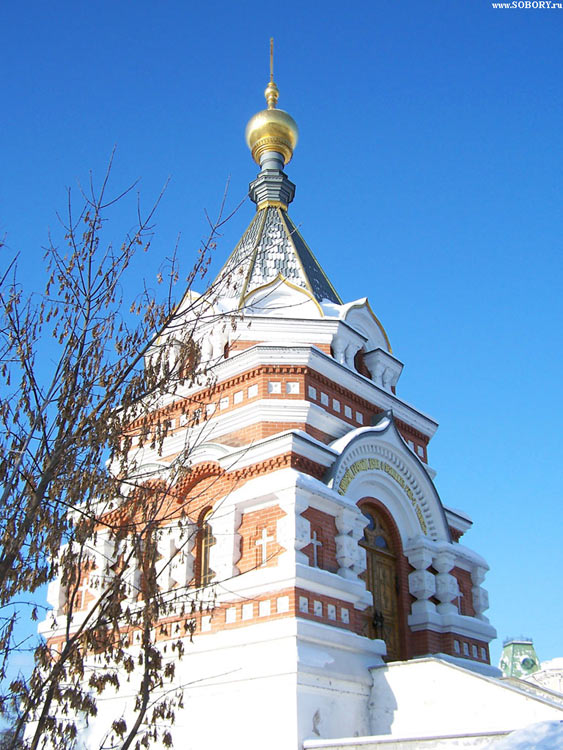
272	247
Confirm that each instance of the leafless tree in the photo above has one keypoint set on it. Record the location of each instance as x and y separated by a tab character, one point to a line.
86	373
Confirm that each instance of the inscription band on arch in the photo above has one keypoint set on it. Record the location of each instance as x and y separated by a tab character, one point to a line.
367	464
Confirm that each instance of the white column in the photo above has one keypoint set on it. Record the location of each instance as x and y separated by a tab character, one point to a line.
422	583
350	556
350	353
56	596
132	574
447	588
104	558
293	531
480	595
339	349
182	560
225	548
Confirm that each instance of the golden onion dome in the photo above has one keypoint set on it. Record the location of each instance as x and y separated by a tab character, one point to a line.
272	129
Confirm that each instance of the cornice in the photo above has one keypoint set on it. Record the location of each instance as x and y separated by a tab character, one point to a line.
336	373
280	411
470	627
243	365
282	443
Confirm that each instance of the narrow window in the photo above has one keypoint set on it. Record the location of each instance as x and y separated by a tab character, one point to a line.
206	541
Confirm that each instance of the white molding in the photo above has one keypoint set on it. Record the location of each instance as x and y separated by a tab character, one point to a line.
470	627
458	520
479	667
331	584
291	441
277	410
287	330
274	579
262	410
325	365
483	740
410	494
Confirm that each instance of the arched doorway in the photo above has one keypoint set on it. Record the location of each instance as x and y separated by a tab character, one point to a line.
382	581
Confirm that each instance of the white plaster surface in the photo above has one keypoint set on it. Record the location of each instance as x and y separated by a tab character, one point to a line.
432	697
267	685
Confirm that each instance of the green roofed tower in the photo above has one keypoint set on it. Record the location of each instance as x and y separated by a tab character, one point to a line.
519	658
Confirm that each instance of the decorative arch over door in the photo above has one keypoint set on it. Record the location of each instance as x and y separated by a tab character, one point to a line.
382	545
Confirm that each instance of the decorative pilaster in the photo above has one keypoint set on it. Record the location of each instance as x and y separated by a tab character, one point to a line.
422	583
56	596
166	546
350	556
222	553
176	565
350	354
339	349
104	558
293	530
447	588
345	345
479	594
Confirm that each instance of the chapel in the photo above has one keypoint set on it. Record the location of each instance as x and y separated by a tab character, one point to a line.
337	578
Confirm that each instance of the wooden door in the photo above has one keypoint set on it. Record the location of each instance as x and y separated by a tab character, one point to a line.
381	580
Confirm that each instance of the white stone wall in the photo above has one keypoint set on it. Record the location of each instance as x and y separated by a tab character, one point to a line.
264	686
433	697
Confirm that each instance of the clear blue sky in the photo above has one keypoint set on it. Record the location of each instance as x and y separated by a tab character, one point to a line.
428	176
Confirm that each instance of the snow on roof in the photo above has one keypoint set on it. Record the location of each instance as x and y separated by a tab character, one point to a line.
545	735
556	663
459	512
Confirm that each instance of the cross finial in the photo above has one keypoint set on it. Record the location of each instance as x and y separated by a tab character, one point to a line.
272	59
271	92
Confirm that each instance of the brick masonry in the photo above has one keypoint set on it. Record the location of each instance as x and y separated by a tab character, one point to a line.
259	547
324	526
277	382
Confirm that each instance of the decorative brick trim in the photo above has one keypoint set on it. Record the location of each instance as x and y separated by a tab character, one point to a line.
429	642
261	430
306	376
255	524
273	605
325	527
349	398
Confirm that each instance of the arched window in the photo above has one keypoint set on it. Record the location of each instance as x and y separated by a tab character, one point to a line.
382	581
204	543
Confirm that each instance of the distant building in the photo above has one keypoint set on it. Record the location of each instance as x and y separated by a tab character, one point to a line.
519	658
